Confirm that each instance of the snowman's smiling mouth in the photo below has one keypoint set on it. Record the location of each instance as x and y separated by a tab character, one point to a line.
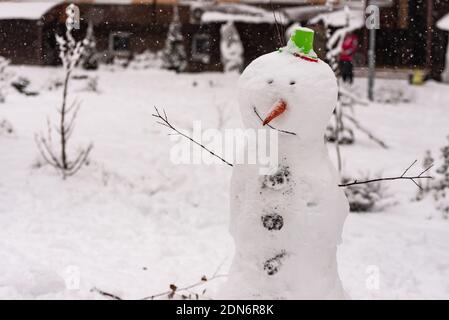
270	117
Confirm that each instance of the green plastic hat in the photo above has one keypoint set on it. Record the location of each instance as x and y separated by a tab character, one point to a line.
303	39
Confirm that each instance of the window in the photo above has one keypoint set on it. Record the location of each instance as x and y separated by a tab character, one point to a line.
201	47
119	41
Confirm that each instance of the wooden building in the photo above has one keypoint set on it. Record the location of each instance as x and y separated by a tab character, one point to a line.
27	29
407	38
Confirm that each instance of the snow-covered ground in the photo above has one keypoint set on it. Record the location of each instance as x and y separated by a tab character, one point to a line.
132	223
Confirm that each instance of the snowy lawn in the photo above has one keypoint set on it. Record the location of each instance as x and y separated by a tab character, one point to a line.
132	222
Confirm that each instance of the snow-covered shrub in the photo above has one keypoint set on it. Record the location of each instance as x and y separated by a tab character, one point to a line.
174	55
441	185
442	202
70	52
425	186
437	188
89	58
393	94
120	63
231	48
22	85
91	84
146	60
6	127
5	78
53	84
366	197
345	134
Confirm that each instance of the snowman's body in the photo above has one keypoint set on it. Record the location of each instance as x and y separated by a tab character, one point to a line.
287	225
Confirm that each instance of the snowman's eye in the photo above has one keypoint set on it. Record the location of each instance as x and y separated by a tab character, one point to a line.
292	83
270	81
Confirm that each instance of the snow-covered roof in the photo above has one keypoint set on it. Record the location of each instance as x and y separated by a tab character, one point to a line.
304	12
30	10
241	13
339	18
443	23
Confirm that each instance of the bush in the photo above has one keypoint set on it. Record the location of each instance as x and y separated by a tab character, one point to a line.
365	197
6	127
146	60
438	188
5	78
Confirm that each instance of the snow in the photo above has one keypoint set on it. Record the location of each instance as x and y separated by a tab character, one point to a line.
132	222
304	12
241	13
25	10
339	17
443	23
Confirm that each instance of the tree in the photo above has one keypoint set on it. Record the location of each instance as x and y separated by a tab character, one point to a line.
339	132
70	52
89	59
231	48
5	78
174	55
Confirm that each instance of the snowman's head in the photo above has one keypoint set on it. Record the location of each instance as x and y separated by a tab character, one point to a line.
290	91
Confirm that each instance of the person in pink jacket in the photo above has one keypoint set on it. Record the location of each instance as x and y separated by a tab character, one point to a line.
349	47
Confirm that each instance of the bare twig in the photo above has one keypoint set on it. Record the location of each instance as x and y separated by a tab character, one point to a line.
344	92
409	167
50	160
270	126
79	162
70	53
427	169
164	122
174	290
338	121
106	294
365	131
401	177
278	28
191	286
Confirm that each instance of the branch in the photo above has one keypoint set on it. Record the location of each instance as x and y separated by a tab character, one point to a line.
52	162
365	131
257	114
169	293
278	29
338	122
79	162
47	151
409	167
106	294
401	177
68	128
353	97
174	289
164	122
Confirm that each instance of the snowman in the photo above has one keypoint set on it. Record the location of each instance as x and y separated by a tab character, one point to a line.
287	224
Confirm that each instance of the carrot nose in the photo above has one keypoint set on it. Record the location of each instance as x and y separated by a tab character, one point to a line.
275	111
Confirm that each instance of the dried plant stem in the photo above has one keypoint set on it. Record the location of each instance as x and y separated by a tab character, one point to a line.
174	290
164	122
270	126
401	177
365	131
338	122
186	288
70	52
